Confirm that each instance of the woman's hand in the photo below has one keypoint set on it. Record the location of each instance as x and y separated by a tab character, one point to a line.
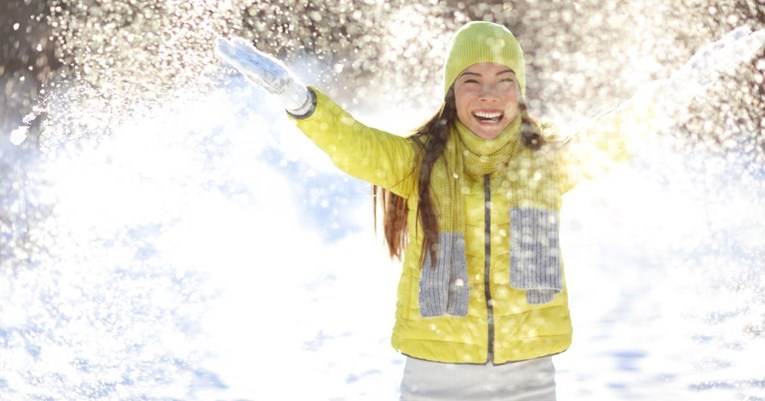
724	55
267	72
712	60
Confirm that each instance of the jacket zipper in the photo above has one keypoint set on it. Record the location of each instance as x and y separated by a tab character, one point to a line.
487	264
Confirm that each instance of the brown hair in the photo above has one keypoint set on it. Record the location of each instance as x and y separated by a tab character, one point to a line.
431	138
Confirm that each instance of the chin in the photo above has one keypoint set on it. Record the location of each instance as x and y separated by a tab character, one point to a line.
488	133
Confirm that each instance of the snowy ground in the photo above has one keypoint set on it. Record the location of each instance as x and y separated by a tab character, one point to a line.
209	252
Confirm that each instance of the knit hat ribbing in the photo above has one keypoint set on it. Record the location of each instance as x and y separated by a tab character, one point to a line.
484	42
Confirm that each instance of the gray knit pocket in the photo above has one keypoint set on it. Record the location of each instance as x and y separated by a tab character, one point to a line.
444	286
535	253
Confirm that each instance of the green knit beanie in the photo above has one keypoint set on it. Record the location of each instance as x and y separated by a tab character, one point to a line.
482	42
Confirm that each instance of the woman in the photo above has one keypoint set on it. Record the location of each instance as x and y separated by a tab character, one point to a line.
471	201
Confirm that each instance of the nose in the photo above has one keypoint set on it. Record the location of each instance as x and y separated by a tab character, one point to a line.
488	93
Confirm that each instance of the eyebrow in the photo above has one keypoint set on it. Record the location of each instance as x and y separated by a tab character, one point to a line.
478	75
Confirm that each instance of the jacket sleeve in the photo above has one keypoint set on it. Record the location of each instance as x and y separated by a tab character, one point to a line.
372	155
596	146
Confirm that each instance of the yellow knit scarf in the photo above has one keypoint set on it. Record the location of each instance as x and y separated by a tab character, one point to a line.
467	154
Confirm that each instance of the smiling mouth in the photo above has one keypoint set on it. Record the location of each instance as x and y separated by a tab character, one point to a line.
488	117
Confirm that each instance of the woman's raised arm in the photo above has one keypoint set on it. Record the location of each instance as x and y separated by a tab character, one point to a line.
376	156
595	145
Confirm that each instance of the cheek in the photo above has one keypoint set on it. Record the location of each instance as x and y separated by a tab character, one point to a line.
461	101
462	115
513	95
512	101
461	98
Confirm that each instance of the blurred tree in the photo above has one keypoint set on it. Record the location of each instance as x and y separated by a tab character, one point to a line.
731	118
584	56
27	64
27	59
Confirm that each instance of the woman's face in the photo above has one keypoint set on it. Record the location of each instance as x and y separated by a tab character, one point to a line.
487	96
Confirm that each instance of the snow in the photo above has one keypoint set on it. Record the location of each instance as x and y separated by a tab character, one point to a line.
209	251
201	248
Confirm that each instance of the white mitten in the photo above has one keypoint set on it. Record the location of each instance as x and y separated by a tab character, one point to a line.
267	72
711	61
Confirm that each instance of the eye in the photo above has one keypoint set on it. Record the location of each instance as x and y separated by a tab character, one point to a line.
470	81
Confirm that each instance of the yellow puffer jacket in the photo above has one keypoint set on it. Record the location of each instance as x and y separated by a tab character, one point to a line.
500	324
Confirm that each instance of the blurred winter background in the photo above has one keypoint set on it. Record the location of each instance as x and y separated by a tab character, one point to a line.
167	234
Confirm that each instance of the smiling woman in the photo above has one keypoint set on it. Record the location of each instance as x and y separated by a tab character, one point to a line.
471	200
487	97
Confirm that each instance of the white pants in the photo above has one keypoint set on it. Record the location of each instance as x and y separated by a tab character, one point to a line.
532	380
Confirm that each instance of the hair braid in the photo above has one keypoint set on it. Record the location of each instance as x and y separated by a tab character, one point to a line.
531	134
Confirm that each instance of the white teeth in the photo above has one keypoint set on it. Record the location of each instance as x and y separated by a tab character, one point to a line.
483	114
